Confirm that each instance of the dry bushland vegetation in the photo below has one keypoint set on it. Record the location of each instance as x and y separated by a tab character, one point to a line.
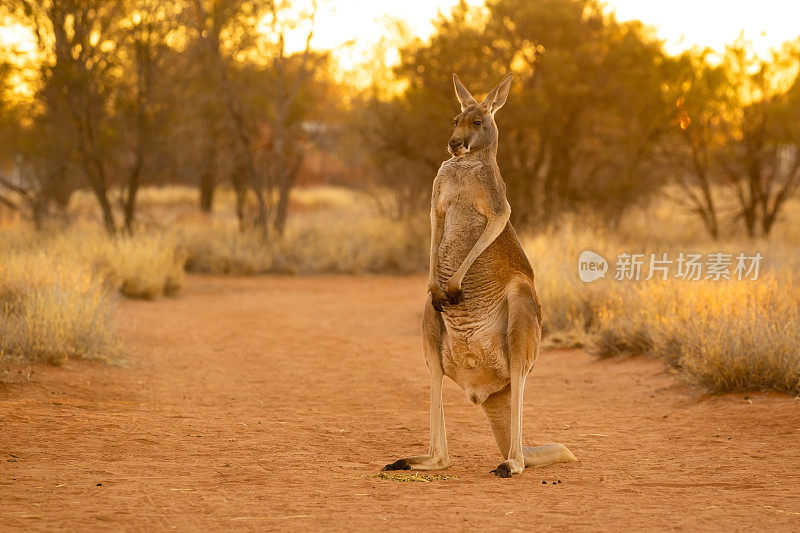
327	242
57	291
724	335
57	288
52	308
144	139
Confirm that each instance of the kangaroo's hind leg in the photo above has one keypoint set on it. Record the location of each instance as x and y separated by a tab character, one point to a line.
498	410
437	458
504	408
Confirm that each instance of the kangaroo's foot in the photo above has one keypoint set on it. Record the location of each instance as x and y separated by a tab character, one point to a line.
537	457
508	467
547	454
419	462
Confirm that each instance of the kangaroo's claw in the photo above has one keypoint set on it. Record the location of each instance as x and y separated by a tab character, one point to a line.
455	297
400	464
438	299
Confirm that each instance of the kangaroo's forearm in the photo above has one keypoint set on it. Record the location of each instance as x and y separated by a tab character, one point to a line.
437	231
492	230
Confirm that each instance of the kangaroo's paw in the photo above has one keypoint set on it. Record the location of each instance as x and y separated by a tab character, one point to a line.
454	296
439	302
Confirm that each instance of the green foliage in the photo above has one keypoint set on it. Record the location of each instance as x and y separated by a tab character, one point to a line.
599	117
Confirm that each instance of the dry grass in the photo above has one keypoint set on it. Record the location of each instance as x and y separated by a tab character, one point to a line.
57	291
54	308
725	336
416	477
569	306
56	288
326	241
145	266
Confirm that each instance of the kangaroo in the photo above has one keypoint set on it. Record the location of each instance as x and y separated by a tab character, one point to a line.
481	325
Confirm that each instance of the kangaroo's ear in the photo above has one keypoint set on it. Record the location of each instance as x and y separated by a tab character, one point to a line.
495	99
462	94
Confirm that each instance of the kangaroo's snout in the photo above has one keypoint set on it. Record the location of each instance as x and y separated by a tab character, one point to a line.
456	146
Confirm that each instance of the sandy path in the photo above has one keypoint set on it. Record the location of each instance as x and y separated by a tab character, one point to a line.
264	403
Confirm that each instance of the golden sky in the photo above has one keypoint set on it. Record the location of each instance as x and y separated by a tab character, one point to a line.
713	23
351	28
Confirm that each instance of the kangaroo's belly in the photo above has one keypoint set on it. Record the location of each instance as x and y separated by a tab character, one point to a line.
474	351
462	228
477	363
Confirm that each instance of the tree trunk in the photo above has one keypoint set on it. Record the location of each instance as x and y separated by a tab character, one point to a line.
240	189
130	201
97	181
37	213
108	214
246	172
208	186
281	211
286	184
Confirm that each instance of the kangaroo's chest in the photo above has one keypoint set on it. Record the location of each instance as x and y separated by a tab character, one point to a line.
464	221
473	355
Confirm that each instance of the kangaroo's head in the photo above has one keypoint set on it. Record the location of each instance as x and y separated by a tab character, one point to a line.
475	127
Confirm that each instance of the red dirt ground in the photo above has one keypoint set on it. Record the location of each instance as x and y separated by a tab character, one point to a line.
265	404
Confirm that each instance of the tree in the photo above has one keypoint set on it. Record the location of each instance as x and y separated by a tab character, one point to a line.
141	102
74	38
699	92
36	150
270	121
585	114
90	50
761	158
290	76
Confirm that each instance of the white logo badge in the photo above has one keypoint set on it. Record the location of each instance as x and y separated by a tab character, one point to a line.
591	266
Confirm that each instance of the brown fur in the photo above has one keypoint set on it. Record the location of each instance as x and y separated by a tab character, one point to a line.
482	320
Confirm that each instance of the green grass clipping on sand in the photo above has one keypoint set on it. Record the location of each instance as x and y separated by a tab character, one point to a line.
411	478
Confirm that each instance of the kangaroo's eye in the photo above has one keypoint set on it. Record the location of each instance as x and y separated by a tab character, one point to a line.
478	122
455	122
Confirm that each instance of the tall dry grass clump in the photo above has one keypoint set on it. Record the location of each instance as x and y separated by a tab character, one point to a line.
316	243
57	290
726	335
52	308
144	266
569	306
